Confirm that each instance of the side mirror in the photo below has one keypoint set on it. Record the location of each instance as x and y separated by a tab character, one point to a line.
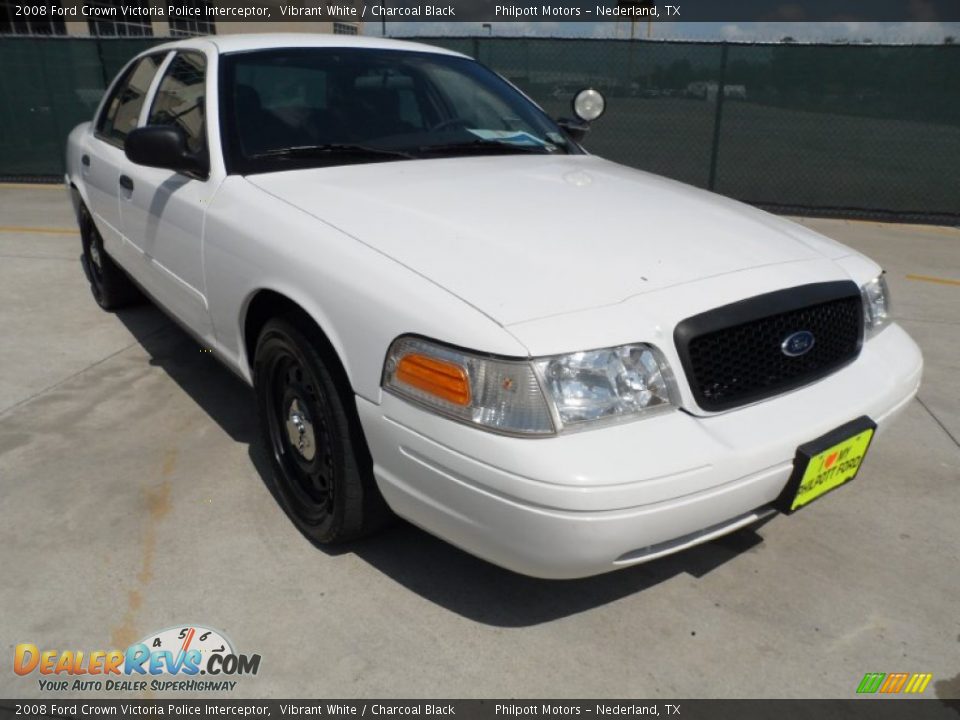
162	146
587	106
577	129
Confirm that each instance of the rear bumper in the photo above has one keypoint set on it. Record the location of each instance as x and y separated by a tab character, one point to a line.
594	501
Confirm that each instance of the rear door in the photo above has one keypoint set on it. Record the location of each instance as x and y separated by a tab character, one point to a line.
162	211
103	156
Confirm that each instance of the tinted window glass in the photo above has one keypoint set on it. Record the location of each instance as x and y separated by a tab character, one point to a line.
298	106
180	99
122	110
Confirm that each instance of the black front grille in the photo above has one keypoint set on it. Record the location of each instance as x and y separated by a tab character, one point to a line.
733	355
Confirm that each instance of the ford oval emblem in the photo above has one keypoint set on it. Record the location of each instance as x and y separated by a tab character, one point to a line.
797	344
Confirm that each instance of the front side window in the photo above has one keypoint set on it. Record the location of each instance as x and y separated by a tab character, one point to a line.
296	107
122	109
180	99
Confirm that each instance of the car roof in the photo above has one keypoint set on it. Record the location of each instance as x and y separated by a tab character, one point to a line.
264	41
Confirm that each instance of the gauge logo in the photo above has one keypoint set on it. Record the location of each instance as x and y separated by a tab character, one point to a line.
184	650
191	650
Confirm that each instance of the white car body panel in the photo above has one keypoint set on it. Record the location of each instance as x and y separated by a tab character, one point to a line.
100	183
170	252
362	299
512	253
517	256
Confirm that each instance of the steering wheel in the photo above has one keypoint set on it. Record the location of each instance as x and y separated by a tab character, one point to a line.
452	122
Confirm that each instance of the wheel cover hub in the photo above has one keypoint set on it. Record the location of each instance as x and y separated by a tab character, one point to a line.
95	254
300	432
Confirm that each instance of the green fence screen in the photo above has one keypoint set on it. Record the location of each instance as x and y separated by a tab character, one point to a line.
850	130
47	86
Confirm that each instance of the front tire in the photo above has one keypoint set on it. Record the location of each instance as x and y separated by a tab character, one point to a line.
109	284
323	473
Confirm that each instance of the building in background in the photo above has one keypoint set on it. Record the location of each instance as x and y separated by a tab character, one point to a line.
119	25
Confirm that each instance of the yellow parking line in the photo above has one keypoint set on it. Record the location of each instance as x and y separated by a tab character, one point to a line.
942	229
929	278
40	230
31	186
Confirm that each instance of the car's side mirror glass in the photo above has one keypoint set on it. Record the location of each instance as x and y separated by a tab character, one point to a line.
589	104
162	146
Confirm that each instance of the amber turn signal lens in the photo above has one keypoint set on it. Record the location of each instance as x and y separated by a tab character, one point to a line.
443	379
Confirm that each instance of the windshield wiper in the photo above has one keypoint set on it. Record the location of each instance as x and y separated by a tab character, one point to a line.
330	150
482	147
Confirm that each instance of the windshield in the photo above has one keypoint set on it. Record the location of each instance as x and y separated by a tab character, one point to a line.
296	107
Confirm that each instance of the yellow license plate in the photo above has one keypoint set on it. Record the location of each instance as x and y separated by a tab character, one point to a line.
827	463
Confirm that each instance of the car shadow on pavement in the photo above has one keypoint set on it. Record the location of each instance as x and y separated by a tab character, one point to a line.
485	593
423	564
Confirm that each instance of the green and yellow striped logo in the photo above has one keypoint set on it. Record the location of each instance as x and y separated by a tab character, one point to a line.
890	683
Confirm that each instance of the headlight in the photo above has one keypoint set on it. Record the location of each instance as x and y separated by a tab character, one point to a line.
608	384
535	397
876	305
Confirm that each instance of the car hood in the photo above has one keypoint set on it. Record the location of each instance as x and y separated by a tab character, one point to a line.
522	237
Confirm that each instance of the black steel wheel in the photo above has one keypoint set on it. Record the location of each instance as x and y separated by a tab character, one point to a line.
322	468
110	286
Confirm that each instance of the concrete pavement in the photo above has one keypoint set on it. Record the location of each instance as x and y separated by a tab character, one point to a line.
133	499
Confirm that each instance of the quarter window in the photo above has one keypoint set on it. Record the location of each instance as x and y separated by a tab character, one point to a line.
122	109
180	99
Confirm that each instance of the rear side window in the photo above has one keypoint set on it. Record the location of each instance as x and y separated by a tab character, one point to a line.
180	99
122	109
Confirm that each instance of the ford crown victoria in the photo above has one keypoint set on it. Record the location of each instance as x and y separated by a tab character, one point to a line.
451	312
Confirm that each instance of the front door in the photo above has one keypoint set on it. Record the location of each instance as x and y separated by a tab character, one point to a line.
163	211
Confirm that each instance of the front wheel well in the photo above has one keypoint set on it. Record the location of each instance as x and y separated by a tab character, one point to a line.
76	199
268	304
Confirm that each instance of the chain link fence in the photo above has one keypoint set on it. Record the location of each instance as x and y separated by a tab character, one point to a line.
847	130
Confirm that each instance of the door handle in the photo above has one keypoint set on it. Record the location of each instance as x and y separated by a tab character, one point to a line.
126	183
85	160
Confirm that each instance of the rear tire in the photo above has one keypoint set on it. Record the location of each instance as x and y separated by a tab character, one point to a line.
109	284
322	470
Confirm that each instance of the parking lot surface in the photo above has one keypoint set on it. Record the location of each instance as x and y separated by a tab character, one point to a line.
133	499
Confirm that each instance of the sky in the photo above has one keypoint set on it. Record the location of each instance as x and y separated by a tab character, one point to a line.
882	32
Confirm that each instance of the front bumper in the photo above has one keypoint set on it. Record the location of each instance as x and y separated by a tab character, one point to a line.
589	502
